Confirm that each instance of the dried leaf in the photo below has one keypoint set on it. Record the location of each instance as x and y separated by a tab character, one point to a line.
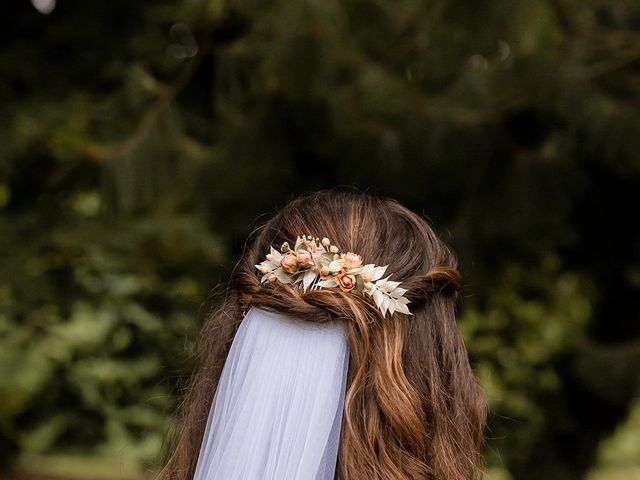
282	276
308	278
327	283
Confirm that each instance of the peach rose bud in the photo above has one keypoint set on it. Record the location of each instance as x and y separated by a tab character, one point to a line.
324	271
326	242
264	269
289	262
269	257
333	249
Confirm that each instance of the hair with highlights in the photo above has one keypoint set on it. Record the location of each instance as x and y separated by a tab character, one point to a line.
413	409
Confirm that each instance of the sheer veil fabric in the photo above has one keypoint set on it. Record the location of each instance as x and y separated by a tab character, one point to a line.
277	411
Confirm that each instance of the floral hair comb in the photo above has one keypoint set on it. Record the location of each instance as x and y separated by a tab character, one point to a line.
315	263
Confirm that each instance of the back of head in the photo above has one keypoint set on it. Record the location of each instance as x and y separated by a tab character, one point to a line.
412	407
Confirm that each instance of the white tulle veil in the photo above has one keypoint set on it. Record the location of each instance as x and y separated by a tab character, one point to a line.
277	411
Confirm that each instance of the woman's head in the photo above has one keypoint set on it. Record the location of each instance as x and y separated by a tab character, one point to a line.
412	407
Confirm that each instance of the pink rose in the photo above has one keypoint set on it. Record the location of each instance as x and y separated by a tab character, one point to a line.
304	258
345	281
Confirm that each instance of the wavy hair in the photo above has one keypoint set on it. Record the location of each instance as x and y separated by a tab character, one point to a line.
412	409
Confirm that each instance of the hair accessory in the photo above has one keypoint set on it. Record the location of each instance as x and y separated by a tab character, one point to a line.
315	263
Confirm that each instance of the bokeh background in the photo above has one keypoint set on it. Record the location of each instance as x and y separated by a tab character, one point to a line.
141	142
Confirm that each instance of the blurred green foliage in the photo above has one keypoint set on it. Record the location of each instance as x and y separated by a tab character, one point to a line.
77	312
142	141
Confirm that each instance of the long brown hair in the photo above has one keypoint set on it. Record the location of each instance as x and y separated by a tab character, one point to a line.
413	409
